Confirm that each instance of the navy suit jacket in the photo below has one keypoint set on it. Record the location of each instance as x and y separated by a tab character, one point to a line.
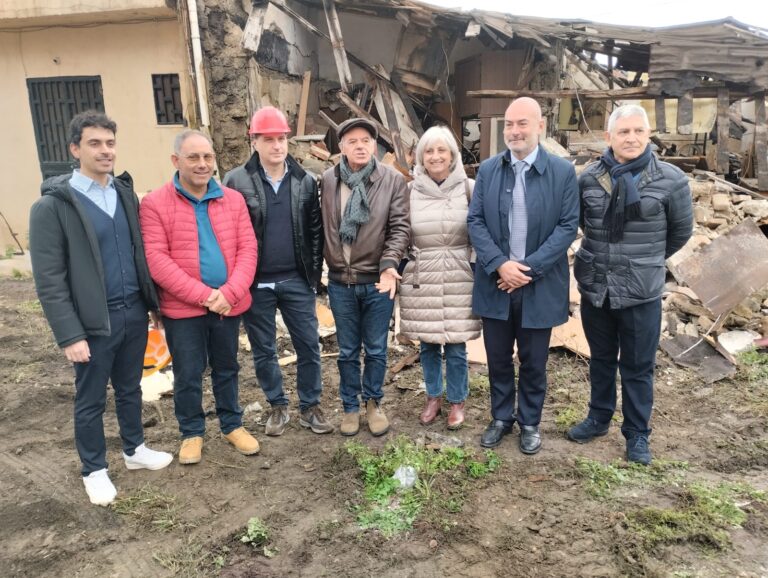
552	202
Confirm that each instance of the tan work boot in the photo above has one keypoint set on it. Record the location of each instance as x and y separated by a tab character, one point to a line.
244	442
191	451
350	424
377	421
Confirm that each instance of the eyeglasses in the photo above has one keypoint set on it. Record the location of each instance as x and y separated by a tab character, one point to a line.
195	157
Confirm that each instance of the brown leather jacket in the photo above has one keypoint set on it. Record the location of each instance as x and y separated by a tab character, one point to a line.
382	242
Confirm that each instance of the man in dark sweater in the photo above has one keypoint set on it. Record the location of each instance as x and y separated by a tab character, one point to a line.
94	286
285	213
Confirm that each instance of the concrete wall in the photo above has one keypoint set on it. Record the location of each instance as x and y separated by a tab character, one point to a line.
43	12
125	56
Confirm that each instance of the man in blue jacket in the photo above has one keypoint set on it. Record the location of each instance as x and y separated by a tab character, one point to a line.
636	211
523	217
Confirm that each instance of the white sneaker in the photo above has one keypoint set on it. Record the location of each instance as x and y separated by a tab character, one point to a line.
99	488
147	459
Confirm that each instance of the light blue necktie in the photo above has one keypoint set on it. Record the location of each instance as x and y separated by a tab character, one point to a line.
518	215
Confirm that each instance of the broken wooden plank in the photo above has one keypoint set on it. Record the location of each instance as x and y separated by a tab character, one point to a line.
392	122
402	364
713	177
407	103
761	143
661	115
301	124
289	359
685	113
319	152
729	269
337	45
723	126
331	123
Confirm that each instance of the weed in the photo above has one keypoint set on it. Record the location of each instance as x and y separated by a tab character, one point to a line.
479	385
567	417
392	509
702	516
10	251
257	535
601	479
151	508
18	274
754	366
30	307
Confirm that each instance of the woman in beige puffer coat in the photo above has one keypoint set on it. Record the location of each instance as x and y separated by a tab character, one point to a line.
436	289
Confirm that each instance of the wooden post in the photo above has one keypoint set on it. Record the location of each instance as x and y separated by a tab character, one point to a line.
723	126
362	113
301	125
685	113
661	115
337	42
761	142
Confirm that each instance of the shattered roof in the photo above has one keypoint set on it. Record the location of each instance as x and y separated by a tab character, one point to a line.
676	57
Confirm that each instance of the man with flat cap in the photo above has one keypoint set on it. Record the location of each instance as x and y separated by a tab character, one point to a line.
366	224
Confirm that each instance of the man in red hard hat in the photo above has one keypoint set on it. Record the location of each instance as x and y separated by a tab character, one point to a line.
285	213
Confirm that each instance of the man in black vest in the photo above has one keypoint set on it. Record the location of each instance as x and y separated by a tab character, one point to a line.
94	286
285	213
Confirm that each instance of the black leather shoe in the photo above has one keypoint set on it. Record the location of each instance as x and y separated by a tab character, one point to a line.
496	430
530	439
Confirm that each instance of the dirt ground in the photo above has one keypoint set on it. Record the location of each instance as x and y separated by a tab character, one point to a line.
531	518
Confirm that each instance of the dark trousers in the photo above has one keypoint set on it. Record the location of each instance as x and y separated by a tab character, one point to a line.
195	343
296	301
532	351
118	357
627	339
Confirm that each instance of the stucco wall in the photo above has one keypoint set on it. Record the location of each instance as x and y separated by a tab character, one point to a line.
125	56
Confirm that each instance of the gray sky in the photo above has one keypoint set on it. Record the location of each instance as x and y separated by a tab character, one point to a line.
646	13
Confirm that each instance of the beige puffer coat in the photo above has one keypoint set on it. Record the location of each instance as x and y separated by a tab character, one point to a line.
436	289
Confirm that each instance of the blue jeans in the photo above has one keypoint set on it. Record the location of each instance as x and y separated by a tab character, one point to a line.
194	343
296	301
118	357
456	369
362	317
626	339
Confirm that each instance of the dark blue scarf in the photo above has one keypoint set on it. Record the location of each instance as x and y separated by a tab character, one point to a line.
625	200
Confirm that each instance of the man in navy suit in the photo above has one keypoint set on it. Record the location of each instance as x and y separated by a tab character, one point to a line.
523	217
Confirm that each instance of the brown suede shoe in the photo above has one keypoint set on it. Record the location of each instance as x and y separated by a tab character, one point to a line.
191	451
378	424
244	442
350	424
456	417
431	410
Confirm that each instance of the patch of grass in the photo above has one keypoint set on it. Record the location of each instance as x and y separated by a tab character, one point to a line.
192	560
151	508
18	274
602	479
479	385
442	478
703	515
754	366
567	417
30	307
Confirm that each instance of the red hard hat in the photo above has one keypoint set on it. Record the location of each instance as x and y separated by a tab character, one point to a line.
269	120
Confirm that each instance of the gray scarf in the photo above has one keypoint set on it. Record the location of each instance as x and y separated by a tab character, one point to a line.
357	211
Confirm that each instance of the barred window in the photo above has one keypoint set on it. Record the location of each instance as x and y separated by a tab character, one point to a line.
167	99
